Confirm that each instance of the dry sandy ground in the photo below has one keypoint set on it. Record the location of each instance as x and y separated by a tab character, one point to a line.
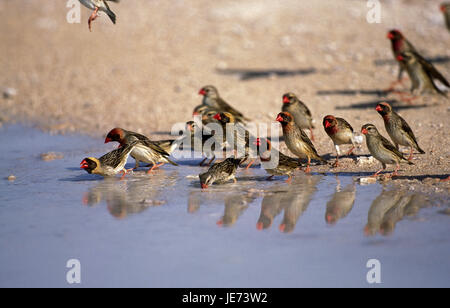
145	72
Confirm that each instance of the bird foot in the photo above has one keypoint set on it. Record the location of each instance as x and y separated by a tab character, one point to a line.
336	164
92	18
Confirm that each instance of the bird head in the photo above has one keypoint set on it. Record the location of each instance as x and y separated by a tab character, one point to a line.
89	164
329	121
394	35
289	98
444	7
369	129
209	91
383	108
116	134
284	118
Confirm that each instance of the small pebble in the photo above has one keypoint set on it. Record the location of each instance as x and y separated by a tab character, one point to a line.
366	181
11	178
51	156
9	93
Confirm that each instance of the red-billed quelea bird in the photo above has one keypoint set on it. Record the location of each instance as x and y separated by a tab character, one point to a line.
220	172
212	98
285	166
146	151
399	45
398	129
241	137
200	139
297	141
111	163
300	112
96	6
382	149
340	132
422	74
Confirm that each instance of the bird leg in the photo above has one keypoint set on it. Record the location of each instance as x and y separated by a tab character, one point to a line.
308	170
338	152
212	159
312	135
350	152
410	154
289	179
201	164
234	180
378	172
251	163
124	173
92	18
154	167
395	173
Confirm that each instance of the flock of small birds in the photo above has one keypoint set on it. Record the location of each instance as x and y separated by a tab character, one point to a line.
295	117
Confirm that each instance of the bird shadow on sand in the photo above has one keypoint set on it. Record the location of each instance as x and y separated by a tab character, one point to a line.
350	92
248	74
398	105
436	60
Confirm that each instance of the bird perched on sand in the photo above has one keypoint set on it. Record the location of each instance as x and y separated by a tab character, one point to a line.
111	163
241	137
340	132
99	5
285	166
382	149
445	8
206	113
422	74
220	172
399	45
300	112
146	151
297	141
199	137
398	129
212	98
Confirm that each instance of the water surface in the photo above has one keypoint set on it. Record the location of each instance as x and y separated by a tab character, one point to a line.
162	230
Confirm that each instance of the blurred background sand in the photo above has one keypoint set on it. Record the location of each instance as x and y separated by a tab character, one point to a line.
144	73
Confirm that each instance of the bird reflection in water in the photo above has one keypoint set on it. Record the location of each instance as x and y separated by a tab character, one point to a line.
293	199
131	196
341	203
389	208
235	204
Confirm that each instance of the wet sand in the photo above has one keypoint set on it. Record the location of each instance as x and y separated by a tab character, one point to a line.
162	230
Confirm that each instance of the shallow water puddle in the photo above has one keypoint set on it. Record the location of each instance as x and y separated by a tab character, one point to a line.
162	230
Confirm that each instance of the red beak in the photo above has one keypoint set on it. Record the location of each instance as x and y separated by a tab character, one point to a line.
400	58
327	124
195	113
107	140
443	9
83	164
279	118
286	100
378	108
204	186
364	131
259	226
202	92
217	117
390	36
